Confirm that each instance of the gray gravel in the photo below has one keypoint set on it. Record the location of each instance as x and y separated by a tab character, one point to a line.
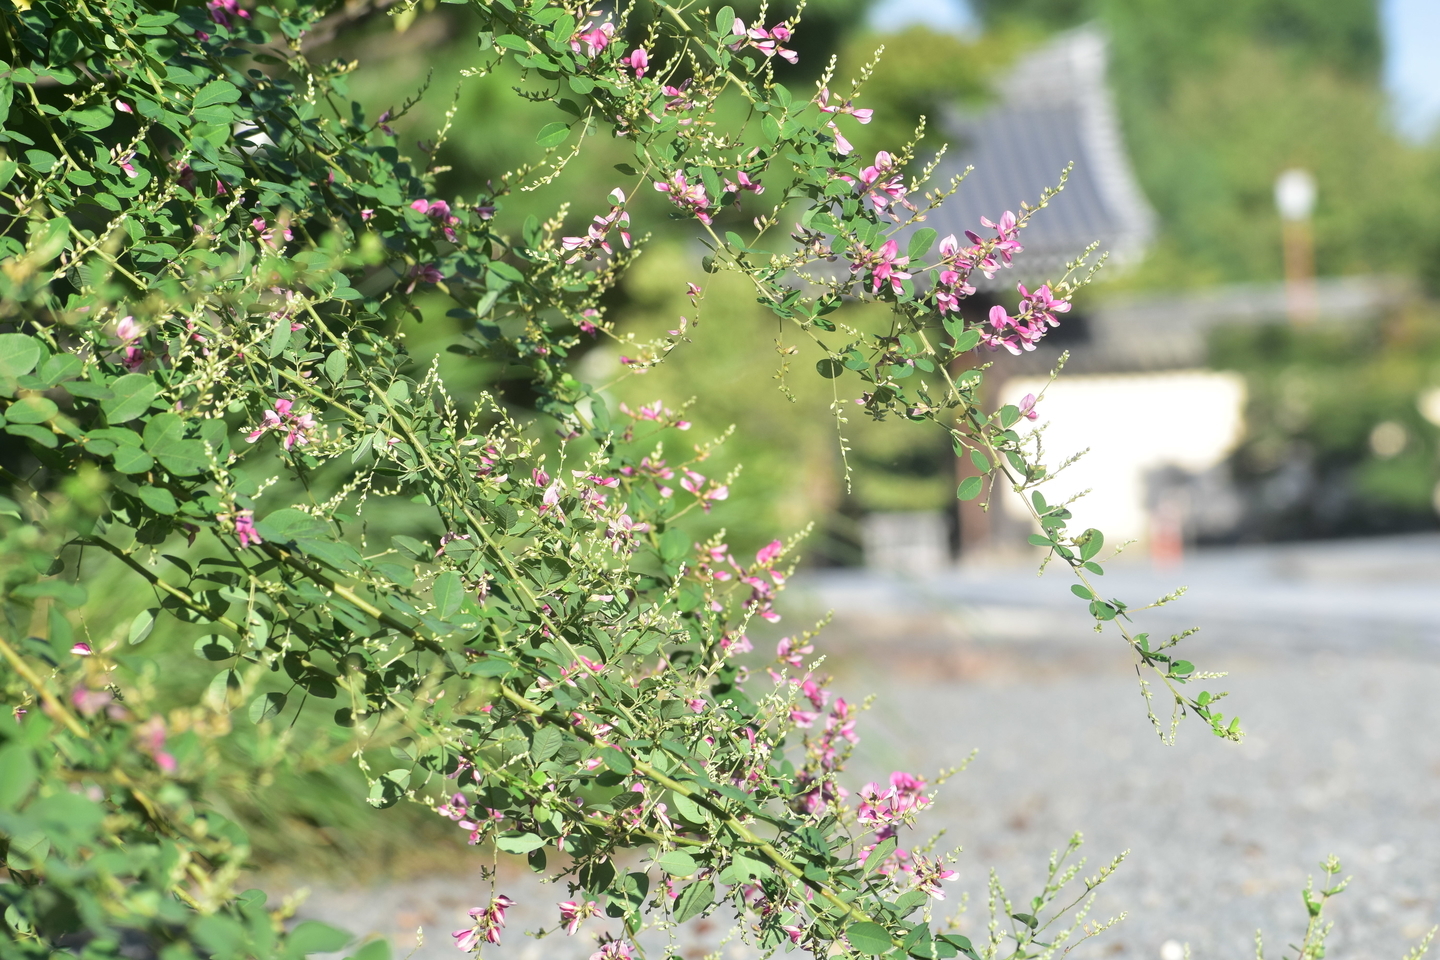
1334	654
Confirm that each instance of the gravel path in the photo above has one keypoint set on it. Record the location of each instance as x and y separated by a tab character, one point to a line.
1334	653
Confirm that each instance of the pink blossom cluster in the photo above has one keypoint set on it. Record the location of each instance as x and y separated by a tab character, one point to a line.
475	819
598	236
423	273
765	41
637	60
862	114
488	921
266	232
928	874
614	950
702	488
245	532
882	184
657	412
884	266
889	807
296	427
680	99
953	283
655	470
575	912
439	211
594	39
688	196
815	784
1034	318
127	331
762	591
222	10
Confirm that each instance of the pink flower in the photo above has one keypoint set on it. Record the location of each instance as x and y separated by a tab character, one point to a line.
883	265
743	183
1041	304
791	652
769	553
794	933
123	107
573	913
296	427
222	10
81	650
488	923
823	102
686	195
439	211
842	146
639	61
152	741
614	950
125	164
880	182
1027	407
245	529
598	236
594	39
766	41
267	233
928	874
424	273
126	329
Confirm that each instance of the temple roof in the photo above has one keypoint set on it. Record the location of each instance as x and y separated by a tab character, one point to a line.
1054	109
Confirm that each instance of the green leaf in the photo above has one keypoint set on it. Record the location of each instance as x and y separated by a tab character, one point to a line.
617	761
677	863
266	706
143	623
215	647
1008	415
290	525
18	354
969	488
519	842
31	410
335	366
17	775
725	21
312	936
693	900
920	243
1182	668
376	949
1082	592
217	694
880	854
132	460
1026	919
553	134
869	938
830	368
133	394
448	592
69	594
216	91
546	742
158	499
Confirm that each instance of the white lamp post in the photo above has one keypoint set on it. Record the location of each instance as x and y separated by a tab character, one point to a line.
1295	193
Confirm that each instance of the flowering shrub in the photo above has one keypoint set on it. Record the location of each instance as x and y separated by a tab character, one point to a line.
204	242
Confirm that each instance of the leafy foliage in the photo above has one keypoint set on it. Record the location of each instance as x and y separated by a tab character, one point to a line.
208	249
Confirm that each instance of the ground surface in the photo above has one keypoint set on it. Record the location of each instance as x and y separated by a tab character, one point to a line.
1334	654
